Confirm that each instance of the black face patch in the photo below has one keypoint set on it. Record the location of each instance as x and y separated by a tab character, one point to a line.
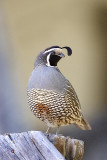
54	59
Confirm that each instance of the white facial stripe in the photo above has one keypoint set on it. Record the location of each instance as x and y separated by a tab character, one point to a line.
49	50
48	63
57	50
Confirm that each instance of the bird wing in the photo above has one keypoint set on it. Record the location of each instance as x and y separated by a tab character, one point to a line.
72	101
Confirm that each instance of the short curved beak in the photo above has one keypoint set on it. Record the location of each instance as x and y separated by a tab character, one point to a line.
61	55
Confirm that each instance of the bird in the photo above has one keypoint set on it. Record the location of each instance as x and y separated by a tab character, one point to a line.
50	95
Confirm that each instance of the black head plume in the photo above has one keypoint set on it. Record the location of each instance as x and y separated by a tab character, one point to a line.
69	50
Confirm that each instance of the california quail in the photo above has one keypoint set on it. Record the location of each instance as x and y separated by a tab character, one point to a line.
51	96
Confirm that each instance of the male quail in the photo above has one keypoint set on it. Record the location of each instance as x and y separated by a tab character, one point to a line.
51	96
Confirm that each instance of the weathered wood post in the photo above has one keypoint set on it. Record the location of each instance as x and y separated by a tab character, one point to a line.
34	145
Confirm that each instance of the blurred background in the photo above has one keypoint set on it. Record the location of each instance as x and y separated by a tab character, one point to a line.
29	26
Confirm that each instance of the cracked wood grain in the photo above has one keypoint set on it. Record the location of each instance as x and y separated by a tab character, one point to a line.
34	145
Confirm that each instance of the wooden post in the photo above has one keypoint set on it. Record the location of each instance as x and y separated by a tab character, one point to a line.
34	145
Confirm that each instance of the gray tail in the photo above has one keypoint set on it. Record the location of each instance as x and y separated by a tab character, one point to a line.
84	125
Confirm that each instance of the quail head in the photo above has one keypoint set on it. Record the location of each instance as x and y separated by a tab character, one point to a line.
51	96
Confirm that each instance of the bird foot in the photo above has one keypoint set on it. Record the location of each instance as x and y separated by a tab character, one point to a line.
47	132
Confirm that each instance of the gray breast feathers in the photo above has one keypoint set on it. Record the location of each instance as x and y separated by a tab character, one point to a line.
49	78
